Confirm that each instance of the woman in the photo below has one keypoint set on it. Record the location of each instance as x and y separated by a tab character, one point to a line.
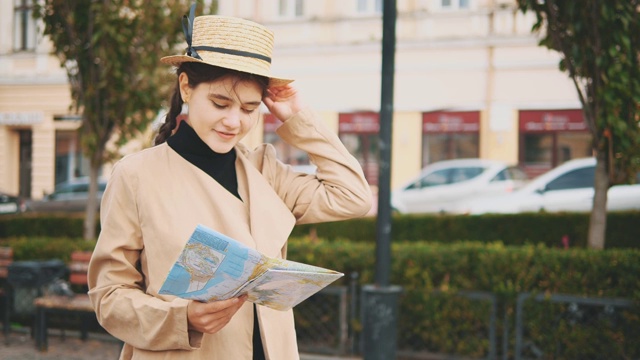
199	173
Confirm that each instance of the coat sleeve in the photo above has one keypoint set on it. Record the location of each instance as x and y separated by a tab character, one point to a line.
117	285
337	191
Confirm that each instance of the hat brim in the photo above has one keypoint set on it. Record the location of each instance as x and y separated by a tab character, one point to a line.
176	60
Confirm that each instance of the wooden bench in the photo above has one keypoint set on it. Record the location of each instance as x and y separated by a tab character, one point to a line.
76	305
6	258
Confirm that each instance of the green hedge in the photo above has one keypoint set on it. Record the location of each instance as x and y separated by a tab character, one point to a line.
432	318
518	229
533	228
45	248
60	225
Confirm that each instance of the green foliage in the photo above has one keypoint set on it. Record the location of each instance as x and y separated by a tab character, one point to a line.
64	226
517	229
111	51
46	248
600	46
434	316
538	228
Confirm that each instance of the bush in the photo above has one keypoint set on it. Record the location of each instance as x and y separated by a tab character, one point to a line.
434	318
518	229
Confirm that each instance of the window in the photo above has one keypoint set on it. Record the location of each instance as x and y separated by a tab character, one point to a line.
291	8
576	179
447	176
70	162
24	35
450	135
437	147
436	178
369	6
455	4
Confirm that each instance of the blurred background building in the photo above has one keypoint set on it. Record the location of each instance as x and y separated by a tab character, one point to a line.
470	81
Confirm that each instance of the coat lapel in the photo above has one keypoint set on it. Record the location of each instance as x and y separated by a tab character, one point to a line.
270	220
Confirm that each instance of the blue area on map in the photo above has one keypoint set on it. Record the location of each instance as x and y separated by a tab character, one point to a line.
232	266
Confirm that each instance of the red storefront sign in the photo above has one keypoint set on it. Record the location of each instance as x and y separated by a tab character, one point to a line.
552	120
362	122
451	122
271	123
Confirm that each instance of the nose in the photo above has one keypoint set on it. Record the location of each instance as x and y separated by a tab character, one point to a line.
232	118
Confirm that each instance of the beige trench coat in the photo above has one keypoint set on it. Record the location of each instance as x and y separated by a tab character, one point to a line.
152	204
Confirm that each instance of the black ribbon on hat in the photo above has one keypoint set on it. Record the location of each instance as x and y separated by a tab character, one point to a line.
187	28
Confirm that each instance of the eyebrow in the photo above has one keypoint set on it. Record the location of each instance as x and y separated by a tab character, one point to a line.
226	98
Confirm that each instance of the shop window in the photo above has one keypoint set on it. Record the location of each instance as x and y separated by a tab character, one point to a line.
24	26
438	147
450	135
359	132
538	149
549	138
70	163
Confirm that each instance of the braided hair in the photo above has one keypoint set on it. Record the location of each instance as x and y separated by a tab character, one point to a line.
197	74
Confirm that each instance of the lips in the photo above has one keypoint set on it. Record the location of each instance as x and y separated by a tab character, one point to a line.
225	135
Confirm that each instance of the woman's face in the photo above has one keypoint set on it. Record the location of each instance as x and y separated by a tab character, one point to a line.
223	111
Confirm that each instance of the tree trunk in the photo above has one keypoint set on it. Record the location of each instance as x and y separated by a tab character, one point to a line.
92	204
598	219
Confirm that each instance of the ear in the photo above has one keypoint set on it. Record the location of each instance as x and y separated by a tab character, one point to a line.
185	90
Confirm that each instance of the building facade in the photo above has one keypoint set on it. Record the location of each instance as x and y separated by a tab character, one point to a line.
38	132
470	81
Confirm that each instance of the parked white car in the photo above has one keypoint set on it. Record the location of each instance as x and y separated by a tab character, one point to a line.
568	187
446	186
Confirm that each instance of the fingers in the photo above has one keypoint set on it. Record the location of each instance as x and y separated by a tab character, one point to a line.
212	317
283	101
281	93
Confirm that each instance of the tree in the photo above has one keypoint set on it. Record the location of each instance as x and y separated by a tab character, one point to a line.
599	42
111	51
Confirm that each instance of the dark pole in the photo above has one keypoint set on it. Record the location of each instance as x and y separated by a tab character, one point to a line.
380	301
383	230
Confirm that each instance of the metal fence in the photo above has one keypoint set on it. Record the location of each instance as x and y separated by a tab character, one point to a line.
478	325
611	325
464	325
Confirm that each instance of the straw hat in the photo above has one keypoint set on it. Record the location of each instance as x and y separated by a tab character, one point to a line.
228	42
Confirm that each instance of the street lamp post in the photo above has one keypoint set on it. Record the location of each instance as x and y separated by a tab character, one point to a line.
380	300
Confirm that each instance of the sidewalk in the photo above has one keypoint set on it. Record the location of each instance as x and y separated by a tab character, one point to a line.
98	347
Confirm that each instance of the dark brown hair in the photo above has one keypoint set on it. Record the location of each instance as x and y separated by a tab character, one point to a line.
197	74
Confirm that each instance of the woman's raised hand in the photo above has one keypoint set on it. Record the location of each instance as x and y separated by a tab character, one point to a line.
283	101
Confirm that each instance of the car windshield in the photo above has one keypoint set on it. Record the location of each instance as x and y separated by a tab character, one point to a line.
510	173
77	188
576	179
447	176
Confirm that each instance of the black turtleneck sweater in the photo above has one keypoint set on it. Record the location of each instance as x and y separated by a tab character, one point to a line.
222	168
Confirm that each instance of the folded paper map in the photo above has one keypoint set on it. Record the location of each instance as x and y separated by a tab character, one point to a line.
213	266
